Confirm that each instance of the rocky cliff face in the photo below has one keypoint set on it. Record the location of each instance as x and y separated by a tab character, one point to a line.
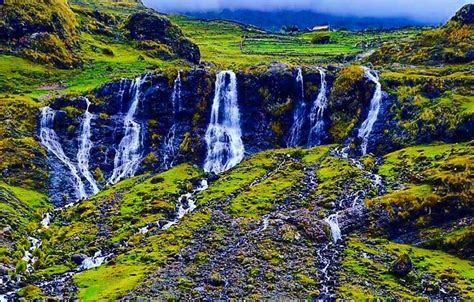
173	113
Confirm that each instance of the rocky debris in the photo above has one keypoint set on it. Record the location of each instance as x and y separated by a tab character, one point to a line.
150	27
312	228
402	266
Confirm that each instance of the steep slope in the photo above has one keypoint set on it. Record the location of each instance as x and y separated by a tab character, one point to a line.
452	43
44	32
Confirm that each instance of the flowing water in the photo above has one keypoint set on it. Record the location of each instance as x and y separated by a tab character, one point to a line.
170	147
85	145
129	153
367	126
316	133
349	210
334	225
186	203
225	148
294	138
50	141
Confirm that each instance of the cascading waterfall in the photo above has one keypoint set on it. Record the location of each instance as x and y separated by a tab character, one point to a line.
85	145
170	139
294	138
366	127
225	148
129	153
317	113
50	141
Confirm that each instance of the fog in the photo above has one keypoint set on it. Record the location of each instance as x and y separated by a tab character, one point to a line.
432	11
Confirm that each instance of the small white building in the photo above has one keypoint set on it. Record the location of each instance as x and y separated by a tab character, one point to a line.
321	28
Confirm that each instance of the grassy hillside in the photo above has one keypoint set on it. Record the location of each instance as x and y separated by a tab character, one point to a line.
258	231
232	45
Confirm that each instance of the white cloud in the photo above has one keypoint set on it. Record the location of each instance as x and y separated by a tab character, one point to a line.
425	10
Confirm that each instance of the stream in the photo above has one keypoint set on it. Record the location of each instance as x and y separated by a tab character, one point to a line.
347	206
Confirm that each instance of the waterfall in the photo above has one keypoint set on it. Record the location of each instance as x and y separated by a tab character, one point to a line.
317	113
225	148
170	139
331	220
85	145
50	141
298	113
368	124
129	153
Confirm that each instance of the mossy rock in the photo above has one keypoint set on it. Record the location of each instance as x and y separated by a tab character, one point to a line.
145	26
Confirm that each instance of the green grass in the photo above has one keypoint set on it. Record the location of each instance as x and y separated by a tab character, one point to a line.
259	199
358	271
108	282
220	42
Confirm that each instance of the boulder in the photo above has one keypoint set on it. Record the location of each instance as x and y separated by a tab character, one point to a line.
149	27
402	266
78	258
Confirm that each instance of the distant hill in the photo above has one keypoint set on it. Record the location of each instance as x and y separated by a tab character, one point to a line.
273	21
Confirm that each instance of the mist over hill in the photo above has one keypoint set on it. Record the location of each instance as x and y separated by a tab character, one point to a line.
273	21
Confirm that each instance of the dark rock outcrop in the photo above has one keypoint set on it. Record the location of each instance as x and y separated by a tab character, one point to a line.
402	266
266	97
465	15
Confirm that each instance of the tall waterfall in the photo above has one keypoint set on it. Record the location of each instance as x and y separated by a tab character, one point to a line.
85	145
317	113
129	153
298	113
170	139
366	127
225	148
50	141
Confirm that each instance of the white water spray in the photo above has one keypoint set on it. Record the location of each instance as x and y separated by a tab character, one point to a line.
367	126
225	148
50	141
298	113
92	262
85	145
333	223
317	113
129	153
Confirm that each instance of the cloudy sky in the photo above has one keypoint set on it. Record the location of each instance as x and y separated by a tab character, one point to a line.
422	10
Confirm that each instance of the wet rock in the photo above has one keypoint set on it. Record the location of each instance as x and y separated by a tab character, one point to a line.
78	258
402	266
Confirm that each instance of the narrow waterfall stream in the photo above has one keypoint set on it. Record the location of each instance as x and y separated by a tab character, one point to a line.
170	148
366	128
346	207
85	145
294	138
50	141
316	132
129	153
225	148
